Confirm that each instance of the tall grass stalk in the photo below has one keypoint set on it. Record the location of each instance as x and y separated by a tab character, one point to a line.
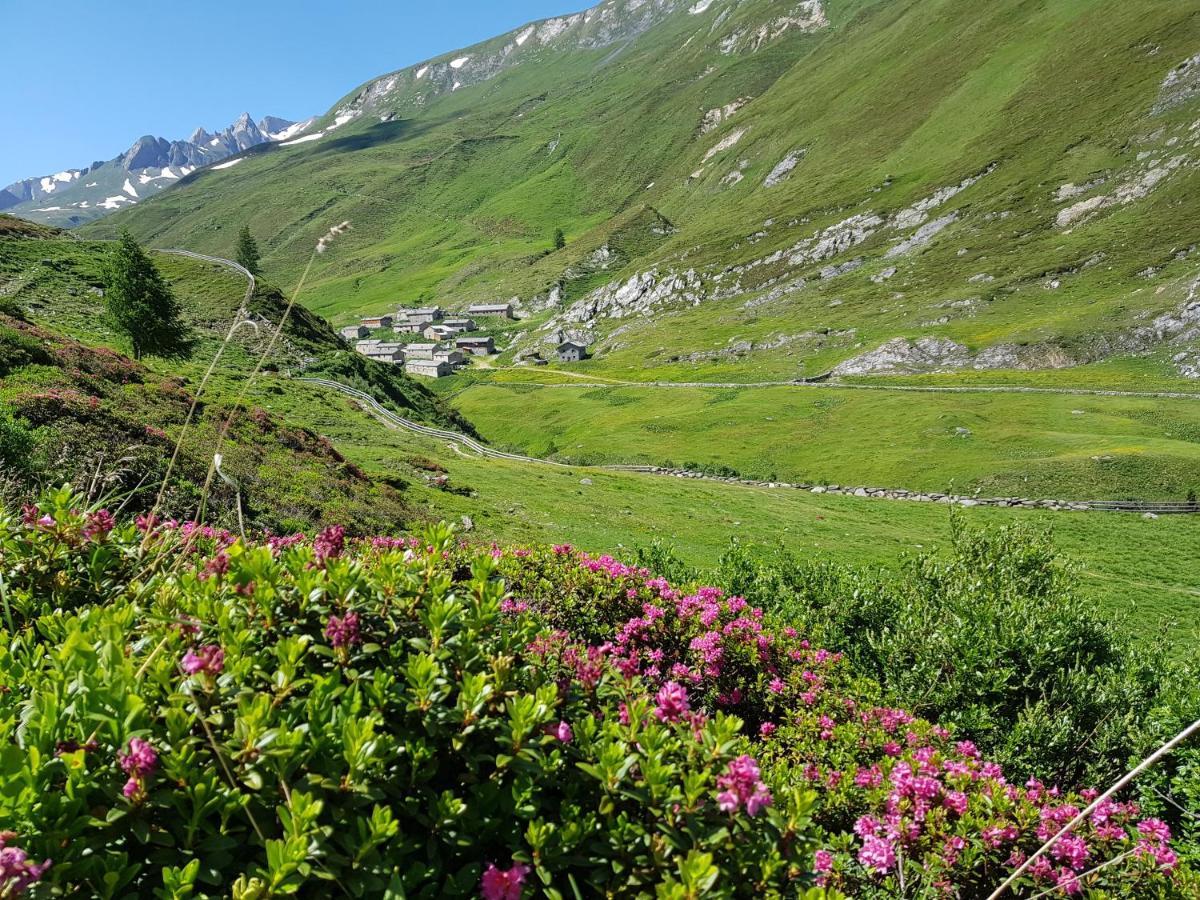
1126	779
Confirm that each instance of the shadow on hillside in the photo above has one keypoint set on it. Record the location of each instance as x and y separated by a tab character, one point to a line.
382	133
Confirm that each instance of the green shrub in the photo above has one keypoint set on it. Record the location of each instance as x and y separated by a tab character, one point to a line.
282	719
18	350
16	441
991	638
186	714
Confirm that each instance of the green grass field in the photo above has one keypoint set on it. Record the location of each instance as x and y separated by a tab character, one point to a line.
1143	568
1032	445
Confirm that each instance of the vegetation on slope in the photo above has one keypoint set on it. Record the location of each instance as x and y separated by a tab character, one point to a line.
969	133
415	715
74	409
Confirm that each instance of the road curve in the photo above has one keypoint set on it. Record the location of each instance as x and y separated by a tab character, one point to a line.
251	283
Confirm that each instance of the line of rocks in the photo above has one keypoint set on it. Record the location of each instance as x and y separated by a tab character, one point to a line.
1150	509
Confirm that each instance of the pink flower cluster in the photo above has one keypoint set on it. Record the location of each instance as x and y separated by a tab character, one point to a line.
741	787
17	870
330	543
209	660
917	794
342	631
503	884
98	524
139	763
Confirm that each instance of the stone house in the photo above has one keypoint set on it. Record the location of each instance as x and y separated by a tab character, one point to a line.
355	332
428	368
423	316
447	355
570	351
503	310
381	352
377	321
479	344
439	332
420	351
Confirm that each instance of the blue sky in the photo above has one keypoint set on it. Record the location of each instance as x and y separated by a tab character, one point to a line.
83	80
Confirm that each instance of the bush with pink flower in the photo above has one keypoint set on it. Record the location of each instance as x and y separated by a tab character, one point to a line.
188	714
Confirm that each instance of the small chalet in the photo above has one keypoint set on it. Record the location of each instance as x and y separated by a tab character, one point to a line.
446	355
364	346
420	351
355	332
461	324
428	368
439	332
389	353
424	316
503	310
478	344
570	351
377	322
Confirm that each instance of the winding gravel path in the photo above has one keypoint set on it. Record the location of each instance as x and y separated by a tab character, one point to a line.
854	386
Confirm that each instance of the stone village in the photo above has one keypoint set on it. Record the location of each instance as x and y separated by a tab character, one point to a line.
448	340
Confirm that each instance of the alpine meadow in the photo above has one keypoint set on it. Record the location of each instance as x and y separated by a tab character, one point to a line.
675	449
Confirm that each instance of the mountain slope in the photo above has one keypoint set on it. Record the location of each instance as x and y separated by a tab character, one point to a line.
781	186
74	409
151	164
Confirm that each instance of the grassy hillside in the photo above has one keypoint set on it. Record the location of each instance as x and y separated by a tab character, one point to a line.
1027	176
893	192
311	456
1024	445
74	407
1134	567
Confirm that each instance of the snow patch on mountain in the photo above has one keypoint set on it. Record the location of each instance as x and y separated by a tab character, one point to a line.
230	164
291	131
315	136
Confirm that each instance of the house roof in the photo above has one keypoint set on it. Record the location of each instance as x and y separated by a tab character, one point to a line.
482	306
565	344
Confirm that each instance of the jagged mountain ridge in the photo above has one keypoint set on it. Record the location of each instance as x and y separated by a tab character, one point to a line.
834	175
152	163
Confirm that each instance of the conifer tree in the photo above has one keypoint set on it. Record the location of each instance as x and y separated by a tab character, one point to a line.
560	239
140	303
247	253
